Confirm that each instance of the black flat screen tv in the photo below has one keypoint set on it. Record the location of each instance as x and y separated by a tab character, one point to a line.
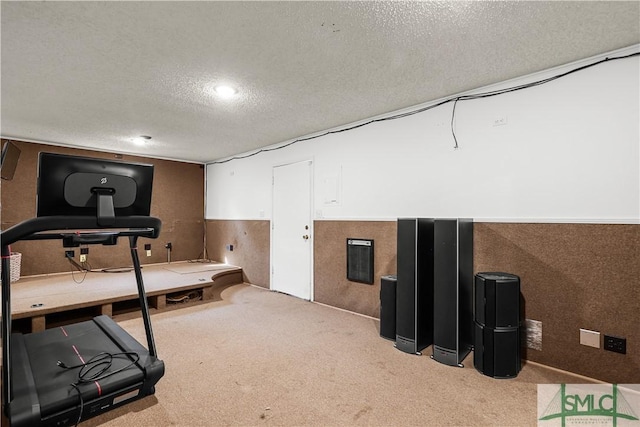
83	186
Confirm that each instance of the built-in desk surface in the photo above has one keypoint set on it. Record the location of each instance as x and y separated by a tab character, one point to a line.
37	297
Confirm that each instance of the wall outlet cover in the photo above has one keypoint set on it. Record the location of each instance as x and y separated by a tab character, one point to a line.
590	338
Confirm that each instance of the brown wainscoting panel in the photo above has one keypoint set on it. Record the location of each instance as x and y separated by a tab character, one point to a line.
251	247
573	276
330	263
178	200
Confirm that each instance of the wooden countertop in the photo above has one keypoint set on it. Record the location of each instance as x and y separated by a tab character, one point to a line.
44	294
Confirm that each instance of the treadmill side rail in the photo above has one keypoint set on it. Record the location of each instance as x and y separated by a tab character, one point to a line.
24	410
151	365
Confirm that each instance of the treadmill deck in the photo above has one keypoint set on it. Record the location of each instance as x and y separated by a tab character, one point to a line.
43	393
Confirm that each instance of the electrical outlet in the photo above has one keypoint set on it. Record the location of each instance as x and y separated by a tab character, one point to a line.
84	251
83	257
616	344
69	254
500	121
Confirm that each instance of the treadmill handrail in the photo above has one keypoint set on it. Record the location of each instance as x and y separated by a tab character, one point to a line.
33	226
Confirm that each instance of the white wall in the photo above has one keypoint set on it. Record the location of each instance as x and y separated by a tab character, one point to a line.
569	152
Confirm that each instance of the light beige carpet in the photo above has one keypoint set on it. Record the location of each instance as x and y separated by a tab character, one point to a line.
257	357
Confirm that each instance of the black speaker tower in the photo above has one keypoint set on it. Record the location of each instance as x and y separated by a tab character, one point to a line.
453	290
497	325
414	292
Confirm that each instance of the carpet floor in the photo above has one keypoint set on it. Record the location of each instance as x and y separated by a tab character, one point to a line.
255	357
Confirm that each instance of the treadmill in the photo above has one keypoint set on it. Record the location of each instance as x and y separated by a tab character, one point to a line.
64	375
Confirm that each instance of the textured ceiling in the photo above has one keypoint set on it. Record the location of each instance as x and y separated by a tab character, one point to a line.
97	74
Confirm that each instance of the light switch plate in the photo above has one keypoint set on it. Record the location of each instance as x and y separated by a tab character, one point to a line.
590	338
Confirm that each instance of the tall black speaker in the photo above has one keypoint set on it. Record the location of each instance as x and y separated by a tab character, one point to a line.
388	307
414	292
453	290
497	325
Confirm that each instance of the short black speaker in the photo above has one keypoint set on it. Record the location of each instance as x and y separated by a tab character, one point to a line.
497	351
497	300
497	324
388	307
9	161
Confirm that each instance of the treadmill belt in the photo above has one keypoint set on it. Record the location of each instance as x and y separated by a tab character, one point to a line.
43	391
74	345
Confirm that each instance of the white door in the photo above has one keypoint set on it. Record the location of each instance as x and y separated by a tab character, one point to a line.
291	241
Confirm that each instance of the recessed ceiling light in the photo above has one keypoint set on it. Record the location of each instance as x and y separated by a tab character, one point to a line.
226	91
142	139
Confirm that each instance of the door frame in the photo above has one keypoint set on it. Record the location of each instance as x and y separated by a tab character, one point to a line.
311	161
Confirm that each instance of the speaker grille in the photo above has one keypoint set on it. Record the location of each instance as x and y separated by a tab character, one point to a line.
360	260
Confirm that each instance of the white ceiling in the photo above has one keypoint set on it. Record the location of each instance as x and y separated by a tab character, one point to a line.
97	74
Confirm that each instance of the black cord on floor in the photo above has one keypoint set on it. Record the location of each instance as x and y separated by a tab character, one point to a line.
116	270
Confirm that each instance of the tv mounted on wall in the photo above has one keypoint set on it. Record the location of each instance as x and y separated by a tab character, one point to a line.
82	186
